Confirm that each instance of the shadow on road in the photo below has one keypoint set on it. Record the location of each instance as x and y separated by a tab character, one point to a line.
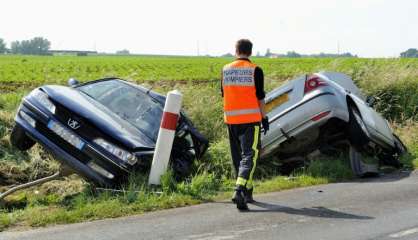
321	212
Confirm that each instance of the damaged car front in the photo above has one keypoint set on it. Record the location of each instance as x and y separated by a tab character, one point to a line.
103	130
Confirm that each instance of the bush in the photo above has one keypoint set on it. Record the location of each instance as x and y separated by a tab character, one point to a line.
398	101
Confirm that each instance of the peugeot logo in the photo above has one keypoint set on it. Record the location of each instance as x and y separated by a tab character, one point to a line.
73	124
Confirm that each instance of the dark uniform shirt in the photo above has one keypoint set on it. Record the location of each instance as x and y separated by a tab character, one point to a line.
258	80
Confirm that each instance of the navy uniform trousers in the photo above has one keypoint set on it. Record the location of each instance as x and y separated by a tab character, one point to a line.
245	147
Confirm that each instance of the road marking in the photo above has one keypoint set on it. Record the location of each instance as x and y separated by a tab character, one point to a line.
404	233
224	235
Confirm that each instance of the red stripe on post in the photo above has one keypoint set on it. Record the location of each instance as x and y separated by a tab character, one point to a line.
169	121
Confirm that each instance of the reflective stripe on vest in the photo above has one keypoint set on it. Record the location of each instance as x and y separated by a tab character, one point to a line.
242	111
240	100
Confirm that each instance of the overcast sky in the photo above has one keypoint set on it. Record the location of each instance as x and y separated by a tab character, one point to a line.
369	28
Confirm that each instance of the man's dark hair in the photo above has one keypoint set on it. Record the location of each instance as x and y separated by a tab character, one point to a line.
244	46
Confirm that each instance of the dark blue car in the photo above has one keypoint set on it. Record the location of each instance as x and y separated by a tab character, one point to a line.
103	129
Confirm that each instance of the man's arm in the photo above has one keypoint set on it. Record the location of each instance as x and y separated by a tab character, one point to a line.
262	108
259	89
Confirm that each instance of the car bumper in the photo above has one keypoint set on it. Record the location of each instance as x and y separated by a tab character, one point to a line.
310	113
60	149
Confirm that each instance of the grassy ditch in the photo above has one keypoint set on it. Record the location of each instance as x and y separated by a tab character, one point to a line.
34	208
393	82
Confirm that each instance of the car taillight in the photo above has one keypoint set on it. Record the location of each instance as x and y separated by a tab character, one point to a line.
313	82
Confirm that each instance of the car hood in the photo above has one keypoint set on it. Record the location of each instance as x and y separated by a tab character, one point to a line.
101	117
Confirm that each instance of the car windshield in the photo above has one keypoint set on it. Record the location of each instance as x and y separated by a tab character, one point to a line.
129	103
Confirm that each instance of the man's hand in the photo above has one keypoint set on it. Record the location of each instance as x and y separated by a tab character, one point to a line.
265	124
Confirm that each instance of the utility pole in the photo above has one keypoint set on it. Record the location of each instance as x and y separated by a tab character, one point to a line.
198	50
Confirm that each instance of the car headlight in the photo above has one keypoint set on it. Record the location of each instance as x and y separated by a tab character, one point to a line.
116	151
43	99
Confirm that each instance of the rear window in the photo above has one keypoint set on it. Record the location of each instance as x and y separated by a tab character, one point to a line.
129	103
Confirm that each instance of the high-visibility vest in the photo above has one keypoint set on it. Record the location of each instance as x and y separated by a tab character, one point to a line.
240	100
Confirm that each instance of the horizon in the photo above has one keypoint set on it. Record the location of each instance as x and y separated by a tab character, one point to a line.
370	28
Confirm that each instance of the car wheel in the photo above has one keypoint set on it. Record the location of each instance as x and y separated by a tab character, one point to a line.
392	158
182	165
362	166
358	134
19	139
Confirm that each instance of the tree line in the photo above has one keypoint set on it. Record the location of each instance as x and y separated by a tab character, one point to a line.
41	46
293	54
34	46
410	53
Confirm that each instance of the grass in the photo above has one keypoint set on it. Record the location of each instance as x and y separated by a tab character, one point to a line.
408	132
393	81
42	209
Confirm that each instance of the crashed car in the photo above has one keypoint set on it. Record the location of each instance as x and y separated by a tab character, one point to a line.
103	130
322	112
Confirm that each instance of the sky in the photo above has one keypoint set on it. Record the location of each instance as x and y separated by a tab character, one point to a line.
368	28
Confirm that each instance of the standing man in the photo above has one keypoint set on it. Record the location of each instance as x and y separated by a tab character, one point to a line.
243	95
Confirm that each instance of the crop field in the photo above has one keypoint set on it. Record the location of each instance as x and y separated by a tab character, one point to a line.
394	82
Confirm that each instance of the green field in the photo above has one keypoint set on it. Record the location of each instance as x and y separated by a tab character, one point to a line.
393	81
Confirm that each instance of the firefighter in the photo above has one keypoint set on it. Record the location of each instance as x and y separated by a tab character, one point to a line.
243	95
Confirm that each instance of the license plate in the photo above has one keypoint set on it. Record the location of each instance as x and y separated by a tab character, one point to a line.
277	102
66	134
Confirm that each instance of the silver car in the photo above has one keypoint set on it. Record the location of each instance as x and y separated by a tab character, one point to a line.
323	112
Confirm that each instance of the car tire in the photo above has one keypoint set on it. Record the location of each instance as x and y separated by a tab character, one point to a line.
357	130
182	165
393	158
359	167
20	140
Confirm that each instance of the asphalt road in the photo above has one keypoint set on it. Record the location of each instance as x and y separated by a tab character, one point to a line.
373	209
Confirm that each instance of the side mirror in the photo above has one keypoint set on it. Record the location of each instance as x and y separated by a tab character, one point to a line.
370	100
72	82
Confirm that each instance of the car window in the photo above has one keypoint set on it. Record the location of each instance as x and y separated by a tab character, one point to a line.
129	103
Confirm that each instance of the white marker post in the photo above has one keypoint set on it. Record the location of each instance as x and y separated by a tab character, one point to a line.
165	137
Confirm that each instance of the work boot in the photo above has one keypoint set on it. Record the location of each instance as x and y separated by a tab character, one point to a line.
249	195
239	198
